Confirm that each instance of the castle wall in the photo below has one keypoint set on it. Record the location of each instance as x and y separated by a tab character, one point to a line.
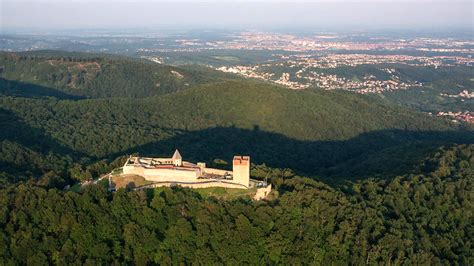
200	184
214	171
189	174
161	175
172	175
133	170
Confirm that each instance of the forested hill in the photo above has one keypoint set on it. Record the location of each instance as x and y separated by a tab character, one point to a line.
95	76
298	114
151	108
372	196
315	132
419	219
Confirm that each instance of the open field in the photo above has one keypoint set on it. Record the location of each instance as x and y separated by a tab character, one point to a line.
226	193
220	193
128	181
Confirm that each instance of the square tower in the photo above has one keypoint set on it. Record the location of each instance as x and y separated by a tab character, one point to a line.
241	170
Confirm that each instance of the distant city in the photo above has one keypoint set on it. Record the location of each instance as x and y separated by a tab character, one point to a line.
356	62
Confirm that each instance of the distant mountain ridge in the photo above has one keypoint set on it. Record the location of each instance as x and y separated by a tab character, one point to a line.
100	76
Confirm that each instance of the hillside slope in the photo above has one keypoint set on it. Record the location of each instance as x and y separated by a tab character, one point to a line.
438	82
316	132
303	115
91	76
421	218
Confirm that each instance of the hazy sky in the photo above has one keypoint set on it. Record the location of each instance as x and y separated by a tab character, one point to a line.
50	14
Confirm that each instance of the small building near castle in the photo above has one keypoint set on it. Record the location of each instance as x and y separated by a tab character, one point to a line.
175	171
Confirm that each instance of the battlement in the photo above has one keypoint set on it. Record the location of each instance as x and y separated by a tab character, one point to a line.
241	160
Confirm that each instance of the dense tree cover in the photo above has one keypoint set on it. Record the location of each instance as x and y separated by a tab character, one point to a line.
424	74
217	57
22	89
78	74
420	218
301	115
315	132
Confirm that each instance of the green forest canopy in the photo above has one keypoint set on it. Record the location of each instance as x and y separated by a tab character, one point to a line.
333	134
420	218
99	76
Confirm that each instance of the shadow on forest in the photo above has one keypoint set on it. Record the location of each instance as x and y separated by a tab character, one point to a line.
385	153
28	90
14	130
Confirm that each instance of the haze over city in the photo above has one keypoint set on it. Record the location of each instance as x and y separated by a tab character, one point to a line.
47	14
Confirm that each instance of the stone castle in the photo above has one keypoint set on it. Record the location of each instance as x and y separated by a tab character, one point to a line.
175	171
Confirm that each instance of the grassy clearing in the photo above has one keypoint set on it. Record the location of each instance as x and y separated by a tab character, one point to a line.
118	171
226	193
128	181
219	192
227	58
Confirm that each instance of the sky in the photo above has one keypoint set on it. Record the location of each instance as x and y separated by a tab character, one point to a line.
226	14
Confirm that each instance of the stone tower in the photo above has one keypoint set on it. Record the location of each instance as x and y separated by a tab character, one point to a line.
177	159
241	170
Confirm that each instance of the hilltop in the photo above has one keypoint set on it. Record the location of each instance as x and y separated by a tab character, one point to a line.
96	75
316	132
421	218
298	114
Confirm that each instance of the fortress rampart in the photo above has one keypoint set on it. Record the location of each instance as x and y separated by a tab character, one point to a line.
176	171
